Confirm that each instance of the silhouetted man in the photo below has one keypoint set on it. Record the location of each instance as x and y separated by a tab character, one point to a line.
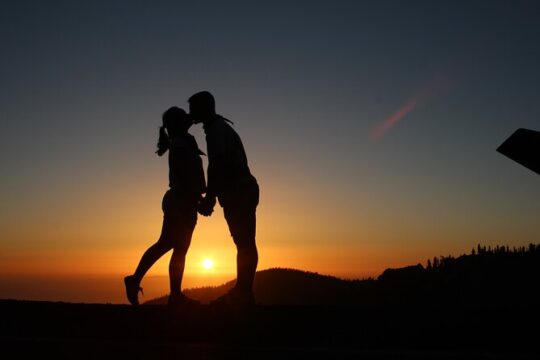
230	180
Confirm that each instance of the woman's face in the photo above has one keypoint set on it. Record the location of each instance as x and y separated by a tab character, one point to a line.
179	126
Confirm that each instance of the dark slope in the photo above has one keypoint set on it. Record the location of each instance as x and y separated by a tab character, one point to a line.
290	287
62	330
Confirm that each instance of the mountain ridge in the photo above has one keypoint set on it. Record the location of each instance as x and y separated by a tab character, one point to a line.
500	275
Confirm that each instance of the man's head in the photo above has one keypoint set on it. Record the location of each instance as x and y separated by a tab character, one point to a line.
202	107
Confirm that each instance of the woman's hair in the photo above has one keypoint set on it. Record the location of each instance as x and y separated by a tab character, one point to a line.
175	120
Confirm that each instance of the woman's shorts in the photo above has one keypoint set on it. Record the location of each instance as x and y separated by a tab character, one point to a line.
178	203
179	218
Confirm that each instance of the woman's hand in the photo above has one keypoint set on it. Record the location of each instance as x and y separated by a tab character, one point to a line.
206	205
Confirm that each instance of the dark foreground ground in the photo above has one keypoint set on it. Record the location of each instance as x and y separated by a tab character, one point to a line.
63	330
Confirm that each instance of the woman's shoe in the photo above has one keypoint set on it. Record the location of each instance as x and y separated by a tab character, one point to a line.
132	289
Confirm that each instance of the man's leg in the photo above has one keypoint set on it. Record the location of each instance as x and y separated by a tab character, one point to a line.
242	224
247	259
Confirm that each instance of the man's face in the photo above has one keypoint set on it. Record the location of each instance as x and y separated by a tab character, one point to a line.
195	113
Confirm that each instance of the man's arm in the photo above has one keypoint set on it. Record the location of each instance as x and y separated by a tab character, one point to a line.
217	151
215	145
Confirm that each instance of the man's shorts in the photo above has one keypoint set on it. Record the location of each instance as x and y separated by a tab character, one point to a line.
240	209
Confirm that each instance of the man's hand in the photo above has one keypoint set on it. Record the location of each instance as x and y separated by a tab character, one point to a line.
206	206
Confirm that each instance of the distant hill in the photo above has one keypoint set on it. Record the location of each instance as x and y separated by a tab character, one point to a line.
498	276
279	286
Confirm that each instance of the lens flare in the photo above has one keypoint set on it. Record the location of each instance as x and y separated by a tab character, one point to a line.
437	85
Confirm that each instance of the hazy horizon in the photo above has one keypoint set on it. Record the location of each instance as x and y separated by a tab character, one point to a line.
103	288
98	288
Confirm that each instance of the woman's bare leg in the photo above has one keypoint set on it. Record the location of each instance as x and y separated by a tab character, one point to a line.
176	271
178	258
151	255
156	251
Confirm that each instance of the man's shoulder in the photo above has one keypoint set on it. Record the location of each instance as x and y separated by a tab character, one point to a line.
219	127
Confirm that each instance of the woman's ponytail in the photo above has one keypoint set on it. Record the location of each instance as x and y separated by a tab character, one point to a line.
163	141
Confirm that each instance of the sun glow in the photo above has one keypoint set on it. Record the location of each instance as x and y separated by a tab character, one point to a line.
207	264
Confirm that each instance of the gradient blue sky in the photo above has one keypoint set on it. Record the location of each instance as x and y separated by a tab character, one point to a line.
84	84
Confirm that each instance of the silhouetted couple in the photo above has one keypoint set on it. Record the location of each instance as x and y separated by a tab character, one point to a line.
229	180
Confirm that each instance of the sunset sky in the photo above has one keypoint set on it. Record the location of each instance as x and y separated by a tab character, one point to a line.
371	127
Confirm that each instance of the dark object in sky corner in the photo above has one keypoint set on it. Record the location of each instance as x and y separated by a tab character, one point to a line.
523	146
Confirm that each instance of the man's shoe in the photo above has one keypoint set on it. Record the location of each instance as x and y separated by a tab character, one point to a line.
235	298
182	301
132	289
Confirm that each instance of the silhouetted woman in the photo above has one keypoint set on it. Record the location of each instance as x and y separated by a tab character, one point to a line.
187	183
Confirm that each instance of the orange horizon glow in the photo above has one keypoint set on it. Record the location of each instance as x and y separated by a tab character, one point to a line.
106	235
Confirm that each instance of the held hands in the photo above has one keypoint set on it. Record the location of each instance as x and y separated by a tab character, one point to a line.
206	205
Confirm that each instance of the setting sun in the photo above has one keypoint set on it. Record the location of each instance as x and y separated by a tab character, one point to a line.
207	264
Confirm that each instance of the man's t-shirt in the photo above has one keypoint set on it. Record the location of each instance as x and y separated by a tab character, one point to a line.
229	176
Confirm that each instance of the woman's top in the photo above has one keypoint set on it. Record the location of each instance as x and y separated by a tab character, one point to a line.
186	174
